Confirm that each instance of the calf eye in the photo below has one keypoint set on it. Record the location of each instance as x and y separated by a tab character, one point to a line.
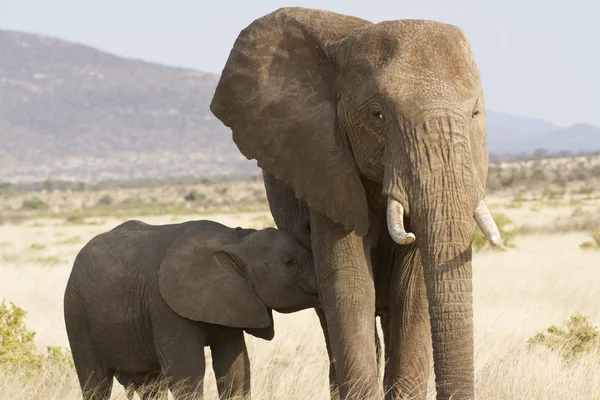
289	261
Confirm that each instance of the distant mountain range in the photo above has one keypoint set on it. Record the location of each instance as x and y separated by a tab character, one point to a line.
72	112
512	135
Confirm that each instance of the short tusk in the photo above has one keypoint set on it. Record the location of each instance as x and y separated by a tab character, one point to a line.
395	223
487	225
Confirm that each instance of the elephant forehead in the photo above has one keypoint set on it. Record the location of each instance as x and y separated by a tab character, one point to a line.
405	54
421	88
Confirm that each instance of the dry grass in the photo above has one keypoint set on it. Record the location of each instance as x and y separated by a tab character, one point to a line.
518	293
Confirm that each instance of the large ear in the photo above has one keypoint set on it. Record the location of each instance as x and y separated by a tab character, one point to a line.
277	95
267	333
208	285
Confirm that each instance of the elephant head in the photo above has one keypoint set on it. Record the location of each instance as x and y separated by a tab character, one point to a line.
237	279
323	101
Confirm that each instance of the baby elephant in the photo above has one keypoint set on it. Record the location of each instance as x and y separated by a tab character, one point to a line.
143	301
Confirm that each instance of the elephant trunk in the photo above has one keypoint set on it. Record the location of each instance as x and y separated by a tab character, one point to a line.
442	215
446	255
442	197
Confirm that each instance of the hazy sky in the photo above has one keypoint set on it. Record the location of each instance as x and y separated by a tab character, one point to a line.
538	58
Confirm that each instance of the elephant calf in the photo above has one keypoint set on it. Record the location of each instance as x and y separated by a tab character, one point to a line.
143	301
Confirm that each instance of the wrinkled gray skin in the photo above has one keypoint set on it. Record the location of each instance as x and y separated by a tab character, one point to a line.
376	131
143	300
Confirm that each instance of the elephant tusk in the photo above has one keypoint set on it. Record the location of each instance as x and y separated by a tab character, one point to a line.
395	223
487	224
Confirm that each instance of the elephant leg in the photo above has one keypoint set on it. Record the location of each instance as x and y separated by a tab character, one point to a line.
287	209
179	343
385	328
333	385
410	335
347	292
231	364
95	379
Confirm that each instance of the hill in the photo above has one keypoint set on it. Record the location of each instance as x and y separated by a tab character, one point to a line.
72	112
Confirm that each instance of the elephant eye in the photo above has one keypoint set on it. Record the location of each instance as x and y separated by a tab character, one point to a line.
378	115
475	113
289	261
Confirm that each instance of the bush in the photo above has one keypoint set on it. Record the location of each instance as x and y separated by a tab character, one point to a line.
60	359
207	181
18	348
594	243
194	195
553	194
480	242
105	200
34	203
49	184
576	337
5	186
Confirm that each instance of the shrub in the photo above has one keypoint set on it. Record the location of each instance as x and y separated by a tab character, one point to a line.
578	212
480	242
60	359
222	191
594	243
18	348
538	175
577	336
553	194
585	190
105	200
49	184
194	195
207	181
34	203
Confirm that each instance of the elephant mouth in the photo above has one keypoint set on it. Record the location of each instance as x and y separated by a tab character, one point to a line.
291	310
311	299
395	223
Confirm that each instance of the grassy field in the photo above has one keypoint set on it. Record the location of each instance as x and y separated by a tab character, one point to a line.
543	280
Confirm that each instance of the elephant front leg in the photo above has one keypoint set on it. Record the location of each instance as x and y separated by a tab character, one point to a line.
231	364
334	390
179	344
410	349
347	295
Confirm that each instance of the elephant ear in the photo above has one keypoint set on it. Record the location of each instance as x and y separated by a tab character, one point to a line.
267	333
209	285
277	95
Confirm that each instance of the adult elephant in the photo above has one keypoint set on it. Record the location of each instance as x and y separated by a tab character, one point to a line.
372	128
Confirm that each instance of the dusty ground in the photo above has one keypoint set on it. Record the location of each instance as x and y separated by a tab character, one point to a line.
519	292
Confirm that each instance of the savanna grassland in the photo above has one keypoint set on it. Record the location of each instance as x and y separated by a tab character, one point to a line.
549	274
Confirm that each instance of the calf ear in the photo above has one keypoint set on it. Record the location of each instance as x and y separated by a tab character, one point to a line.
209	285
264	333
